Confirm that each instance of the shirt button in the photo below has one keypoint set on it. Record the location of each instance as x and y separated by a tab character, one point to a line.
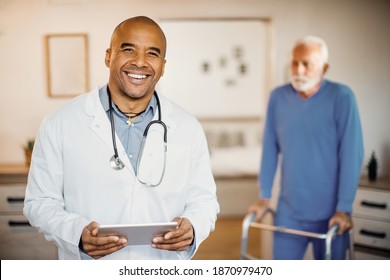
130	156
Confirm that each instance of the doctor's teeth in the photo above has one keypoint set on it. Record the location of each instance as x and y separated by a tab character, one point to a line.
135	76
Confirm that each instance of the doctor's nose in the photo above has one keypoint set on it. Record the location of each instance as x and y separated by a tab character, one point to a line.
139	60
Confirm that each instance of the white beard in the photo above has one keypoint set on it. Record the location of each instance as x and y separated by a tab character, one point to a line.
303	84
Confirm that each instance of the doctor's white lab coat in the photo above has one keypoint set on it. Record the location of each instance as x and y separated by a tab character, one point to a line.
71	182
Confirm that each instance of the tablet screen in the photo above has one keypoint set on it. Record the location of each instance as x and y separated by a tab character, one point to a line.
138	234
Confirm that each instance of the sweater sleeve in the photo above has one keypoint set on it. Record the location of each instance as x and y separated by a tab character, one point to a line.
350	149
270	151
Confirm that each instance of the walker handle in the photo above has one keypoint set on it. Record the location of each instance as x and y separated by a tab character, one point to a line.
248	220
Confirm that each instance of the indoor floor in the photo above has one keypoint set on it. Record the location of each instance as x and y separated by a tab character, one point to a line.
224	243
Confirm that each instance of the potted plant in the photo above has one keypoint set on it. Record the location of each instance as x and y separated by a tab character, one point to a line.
28	150
372	167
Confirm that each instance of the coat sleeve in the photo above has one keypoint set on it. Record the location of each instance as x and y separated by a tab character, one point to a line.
44	204
201	206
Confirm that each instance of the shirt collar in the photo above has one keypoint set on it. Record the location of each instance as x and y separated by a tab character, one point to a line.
103	95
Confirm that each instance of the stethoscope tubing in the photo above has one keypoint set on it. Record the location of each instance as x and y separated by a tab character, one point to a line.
118	164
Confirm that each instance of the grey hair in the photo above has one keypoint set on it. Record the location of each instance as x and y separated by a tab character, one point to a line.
307	40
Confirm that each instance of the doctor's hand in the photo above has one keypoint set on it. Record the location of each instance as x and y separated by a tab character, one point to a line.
178	240
99	246
343	219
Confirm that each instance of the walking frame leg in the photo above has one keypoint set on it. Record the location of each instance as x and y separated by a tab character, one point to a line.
328	243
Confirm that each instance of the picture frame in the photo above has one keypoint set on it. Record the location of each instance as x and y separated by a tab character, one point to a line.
67	64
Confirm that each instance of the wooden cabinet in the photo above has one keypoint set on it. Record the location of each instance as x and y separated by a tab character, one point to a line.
235	194
371	217
18	239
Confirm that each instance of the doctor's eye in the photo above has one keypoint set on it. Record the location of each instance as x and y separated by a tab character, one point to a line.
128	50
153	54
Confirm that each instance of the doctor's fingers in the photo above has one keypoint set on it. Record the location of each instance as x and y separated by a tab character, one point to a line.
174	242
97	253
102	245
184	232
102	241
179	246
179	243
181	233
183	228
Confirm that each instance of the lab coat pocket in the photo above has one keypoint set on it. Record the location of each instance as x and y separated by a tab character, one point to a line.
177	169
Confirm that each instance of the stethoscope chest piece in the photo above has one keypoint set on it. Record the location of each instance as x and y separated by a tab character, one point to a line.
116	163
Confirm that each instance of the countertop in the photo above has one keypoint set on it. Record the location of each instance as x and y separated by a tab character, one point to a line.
13	173
380	183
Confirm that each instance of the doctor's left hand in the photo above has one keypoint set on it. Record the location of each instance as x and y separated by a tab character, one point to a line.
99	246
178	240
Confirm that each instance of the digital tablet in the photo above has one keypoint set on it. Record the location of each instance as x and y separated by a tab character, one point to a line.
138	234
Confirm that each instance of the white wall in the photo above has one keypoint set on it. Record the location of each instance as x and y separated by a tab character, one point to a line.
356	32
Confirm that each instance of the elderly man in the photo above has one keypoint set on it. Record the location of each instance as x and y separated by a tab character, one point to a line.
313	125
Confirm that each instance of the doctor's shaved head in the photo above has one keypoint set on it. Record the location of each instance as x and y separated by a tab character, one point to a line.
131	23
138	47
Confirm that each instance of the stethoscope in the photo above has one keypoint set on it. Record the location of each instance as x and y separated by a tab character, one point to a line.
117	164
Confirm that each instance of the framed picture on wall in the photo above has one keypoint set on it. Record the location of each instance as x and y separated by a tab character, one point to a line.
67	65
217	68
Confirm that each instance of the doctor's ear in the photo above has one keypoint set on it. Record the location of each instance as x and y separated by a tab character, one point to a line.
108	58
163	68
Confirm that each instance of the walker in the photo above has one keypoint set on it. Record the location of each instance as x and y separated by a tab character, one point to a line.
248	222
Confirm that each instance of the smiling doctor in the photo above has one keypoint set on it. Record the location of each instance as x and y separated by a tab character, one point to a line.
122	154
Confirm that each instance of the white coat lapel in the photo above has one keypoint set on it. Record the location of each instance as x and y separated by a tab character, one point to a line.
166	108
101	126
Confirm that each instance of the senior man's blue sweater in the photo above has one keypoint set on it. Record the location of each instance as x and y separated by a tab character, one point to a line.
320	144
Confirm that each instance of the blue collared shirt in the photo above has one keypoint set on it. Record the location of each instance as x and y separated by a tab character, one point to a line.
129	135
